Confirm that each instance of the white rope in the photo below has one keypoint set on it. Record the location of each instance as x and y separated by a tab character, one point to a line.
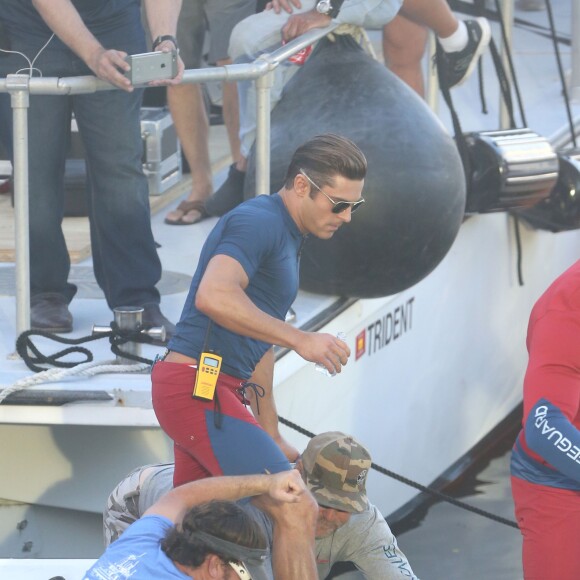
84	370
358	33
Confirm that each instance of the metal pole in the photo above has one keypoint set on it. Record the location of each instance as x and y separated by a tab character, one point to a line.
507	10
575	73
17	86
263	85
432	96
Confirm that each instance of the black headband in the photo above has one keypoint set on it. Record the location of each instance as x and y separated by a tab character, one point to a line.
255	556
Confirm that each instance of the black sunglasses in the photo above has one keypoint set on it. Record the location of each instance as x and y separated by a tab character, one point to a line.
337	206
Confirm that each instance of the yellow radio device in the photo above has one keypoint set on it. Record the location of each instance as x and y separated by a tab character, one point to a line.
208	370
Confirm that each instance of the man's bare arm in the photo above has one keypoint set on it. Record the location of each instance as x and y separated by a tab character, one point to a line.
64	20
221	296
264	408
162	17
293	545
285	487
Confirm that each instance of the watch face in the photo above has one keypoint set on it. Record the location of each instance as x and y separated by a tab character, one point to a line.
323	6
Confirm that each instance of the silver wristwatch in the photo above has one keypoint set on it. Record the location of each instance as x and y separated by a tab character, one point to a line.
329	7
324	7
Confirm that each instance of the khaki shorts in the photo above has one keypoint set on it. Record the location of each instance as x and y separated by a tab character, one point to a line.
217	16
122	507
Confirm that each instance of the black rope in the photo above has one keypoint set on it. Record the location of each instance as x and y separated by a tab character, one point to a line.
259	393
428	490
479	6
561	71
32	356
460	140
508	52
119	337
482	97
504	85
519	248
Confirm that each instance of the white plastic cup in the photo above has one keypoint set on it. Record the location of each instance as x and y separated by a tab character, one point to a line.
321	368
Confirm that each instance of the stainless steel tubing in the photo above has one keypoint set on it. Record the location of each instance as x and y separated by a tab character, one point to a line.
432	83
263	85
575	72
17	86
286	51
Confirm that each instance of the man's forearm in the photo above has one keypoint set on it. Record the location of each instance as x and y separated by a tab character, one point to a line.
284	487
230	307
293	546
223	488
162	16
180	499
64	20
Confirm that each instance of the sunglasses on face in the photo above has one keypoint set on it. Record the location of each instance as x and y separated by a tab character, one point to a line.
337	206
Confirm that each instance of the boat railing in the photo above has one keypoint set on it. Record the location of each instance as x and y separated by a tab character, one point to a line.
21	86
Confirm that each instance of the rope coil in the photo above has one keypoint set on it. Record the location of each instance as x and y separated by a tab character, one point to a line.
32	357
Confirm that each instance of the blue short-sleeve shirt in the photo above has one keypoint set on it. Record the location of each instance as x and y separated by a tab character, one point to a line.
100	16
138	553
265	240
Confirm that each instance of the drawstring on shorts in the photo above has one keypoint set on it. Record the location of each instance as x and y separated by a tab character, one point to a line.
259	391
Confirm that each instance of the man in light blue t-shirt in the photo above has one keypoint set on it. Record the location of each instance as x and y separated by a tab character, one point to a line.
197	531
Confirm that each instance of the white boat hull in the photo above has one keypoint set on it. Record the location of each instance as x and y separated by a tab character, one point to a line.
441	366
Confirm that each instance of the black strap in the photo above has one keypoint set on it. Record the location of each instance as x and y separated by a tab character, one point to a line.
259	391
459	136
205	339
163	38
335	7
504	85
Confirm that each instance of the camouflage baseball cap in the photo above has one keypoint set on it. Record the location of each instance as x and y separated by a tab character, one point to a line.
336	468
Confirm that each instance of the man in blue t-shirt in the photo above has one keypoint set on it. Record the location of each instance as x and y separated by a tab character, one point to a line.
196	531
244	285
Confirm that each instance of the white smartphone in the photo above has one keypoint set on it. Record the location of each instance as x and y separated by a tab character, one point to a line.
151	66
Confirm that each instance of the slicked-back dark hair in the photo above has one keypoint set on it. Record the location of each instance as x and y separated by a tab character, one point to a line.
222	519
324	157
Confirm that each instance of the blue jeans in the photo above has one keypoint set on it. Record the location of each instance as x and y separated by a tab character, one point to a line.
125	258
6	123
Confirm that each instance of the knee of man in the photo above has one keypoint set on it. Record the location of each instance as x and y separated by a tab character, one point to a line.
240	44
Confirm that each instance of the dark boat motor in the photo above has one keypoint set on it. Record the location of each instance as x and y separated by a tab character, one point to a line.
515	168
560	211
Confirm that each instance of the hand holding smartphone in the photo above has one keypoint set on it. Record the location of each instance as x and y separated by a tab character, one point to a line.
151	66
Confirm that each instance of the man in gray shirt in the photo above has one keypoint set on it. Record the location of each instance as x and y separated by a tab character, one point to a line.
349	528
